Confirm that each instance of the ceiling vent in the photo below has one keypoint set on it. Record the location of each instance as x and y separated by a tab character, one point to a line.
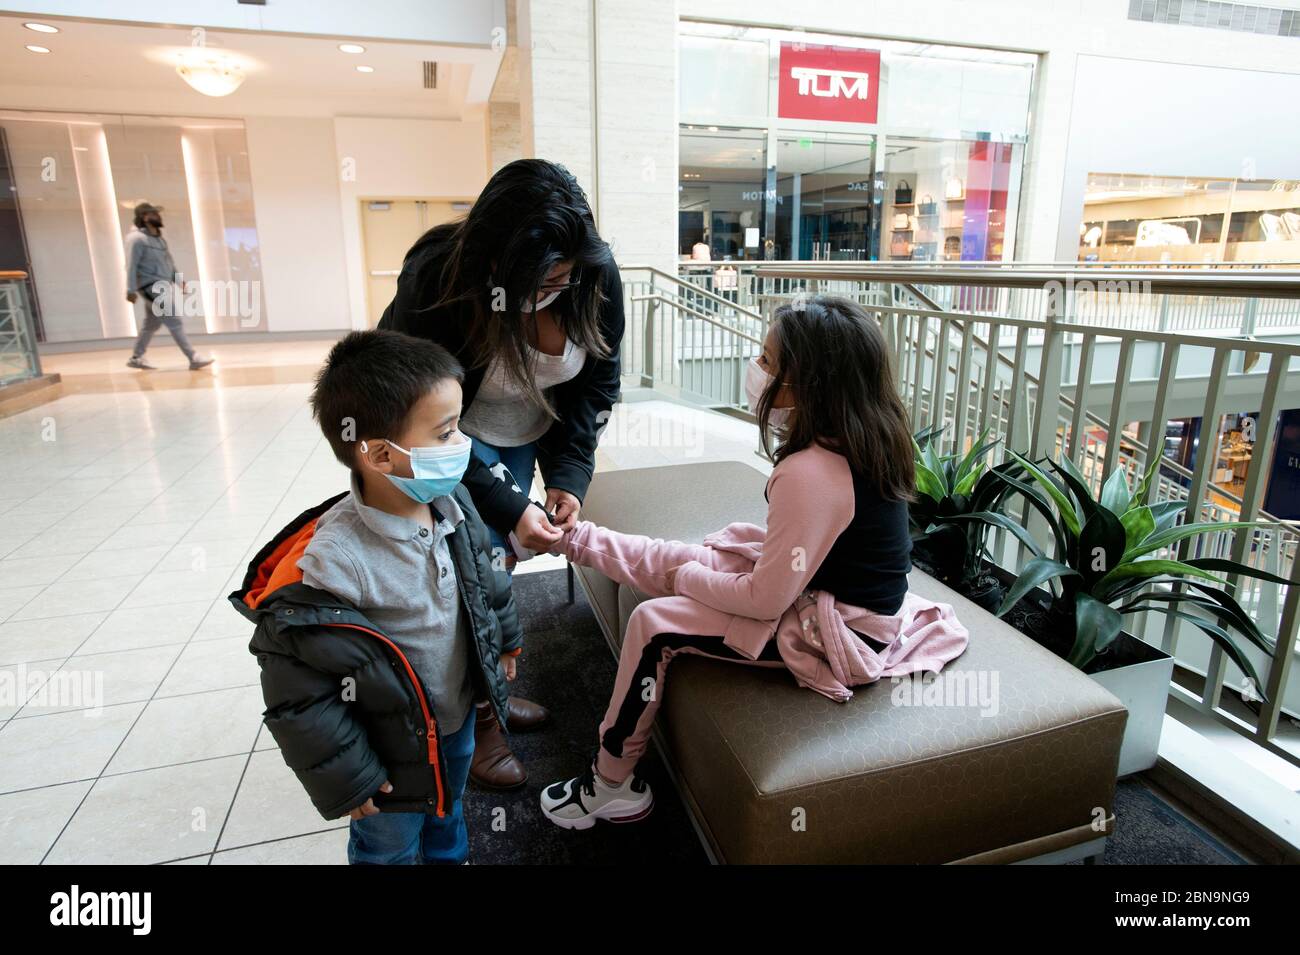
430	75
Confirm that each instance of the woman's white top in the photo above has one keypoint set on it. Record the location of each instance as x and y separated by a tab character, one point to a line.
502	415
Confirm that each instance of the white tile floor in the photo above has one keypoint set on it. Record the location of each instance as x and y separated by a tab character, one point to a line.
130	712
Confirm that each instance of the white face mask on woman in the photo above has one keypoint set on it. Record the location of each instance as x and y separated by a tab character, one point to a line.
541	303
757	381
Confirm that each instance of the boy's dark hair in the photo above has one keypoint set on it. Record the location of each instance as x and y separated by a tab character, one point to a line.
371	381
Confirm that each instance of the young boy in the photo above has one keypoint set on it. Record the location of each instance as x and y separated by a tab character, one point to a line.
380	617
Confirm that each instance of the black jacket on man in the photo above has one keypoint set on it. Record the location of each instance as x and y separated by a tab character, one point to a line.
342	701
566	453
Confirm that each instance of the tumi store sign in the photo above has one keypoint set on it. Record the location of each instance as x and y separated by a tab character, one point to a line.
833	83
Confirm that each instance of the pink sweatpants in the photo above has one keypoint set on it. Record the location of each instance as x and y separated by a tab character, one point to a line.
657	630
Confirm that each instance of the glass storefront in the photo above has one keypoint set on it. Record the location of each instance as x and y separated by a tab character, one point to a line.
808	146
1138	218
74	180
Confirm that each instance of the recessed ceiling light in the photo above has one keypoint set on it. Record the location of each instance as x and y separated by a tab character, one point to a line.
365	69
32	47
352	48
41	27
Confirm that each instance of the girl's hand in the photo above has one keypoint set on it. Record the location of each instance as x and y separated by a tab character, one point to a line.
508	665
564	506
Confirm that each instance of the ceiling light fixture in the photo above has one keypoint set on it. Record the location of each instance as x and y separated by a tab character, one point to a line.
41	27
33	48
365	69
210	73
352	48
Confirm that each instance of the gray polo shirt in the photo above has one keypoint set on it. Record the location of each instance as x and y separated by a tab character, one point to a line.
401	576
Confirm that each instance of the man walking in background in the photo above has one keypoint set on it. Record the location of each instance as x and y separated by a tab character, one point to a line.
150	272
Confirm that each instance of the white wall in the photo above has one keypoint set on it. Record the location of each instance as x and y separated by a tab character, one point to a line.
626	160
401	159
1232	123
299	223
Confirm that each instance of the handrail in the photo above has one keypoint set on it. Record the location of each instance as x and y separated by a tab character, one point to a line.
695	290
977	263
1091	416
673	303
1257	284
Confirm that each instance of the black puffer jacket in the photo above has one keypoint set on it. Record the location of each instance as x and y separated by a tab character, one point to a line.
343	739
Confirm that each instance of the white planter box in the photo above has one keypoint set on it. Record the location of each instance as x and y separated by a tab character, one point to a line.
1143	688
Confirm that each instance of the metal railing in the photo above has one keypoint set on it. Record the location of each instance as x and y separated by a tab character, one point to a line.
972	353
19	359
1111	294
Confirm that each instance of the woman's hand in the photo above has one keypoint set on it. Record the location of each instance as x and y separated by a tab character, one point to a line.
564	506
535	532
368	808
508	666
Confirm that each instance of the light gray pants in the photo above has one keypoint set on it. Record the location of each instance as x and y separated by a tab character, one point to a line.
153	321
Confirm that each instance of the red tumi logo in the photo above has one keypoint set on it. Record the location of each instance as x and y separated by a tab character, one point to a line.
834	83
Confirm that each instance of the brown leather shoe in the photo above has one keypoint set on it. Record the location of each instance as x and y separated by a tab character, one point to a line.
494	766
524	715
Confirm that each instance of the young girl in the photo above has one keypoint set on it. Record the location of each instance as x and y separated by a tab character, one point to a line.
836	524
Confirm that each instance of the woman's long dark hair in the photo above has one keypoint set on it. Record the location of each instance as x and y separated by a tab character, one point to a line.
531	216
832	356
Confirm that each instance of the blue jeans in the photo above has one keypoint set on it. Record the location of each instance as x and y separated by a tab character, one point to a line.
519	461
415	838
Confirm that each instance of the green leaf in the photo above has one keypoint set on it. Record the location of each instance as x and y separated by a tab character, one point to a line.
1064	505
1240	619
1082	492
1095	628
931	458
1151	568
1167	513
1233	567
1223	639
1001	520
1139	495
967	482
1040	503
1035	572
1182	531
1242	624
1139	523
1103	532
1115	493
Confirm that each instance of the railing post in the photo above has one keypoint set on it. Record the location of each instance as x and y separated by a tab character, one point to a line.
648	342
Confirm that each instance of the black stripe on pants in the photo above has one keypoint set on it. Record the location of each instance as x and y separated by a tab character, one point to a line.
633	705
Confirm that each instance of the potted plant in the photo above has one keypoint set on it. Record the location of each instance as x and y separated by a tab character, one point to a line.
958	500
1106	556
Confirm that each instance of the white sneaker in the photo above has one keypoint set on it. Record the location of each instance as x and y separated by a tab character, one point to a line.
577	803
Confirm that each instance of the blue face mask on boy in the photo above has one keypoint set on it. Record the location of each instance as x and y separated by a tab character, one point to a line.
437	470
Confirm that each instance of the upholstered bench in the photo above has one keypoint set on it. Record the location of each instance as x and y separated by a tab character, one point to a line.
1011	756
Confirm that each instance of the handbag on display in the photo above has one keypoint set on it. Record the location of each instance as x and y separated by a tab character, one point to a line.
927	206
899	245
954	188
952	247
902	220
903	193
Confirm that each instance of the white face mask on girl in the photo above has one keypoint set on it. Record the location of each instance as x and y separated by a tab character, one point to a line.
757	381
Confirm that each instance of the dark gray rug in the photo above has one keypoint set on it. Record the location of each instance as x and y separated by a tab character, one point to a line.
567	666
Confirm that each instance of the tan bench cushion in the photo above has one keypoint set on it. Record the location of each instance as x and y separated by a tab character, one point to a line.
779	773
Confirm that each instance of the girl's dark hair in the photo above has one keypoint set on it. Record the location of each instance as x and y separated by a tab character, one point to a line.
832	356
531	216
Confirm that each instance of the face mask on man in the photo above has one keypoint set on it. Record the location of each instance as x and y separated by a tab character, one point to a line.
757	381
437	470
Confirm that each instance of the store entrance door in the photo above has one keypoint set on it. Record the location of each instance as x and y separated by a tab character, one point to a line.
390	227
826	197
